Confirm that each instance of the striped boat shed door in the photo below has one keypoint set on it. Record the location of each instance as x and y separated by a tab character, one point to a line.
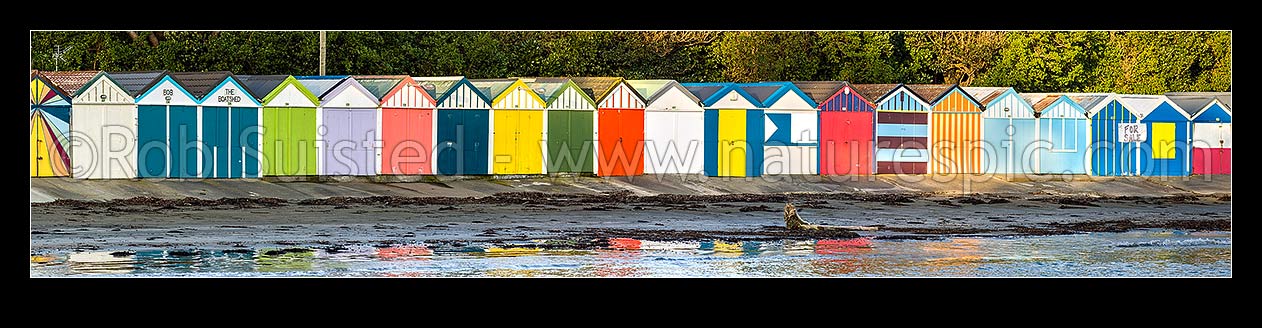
902	130
956	132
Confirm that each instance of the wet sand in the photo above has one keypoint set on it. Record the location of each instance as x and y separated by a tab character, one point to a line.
583	220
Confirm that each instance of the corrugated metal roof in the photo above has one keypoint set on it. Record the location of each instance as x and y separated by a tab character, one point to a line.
1040	101
596	87
1223	97
1091	102
199	83
985	95
930	92
261	85
438	86
492	87
819	91
874	92
320	85
68	82
379	85
136	83
548	88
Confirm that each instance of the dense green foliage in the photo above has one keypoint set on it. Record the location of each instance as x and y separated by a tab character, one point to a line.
1130	62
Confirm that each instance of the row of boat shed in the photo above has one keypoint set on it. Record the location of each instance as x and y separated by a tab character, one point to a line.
161	124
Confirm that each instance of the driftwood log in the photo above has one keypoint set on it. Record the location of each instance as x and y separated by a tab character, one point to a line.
794	222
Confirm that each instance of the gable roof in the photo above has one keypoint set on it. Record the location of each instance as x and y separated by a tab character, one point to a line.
1195	102
930	93
261	85
549	88
1223	97
442	87
711	92
876	92
135	83
320	84
820	91
600	87
1090	101
439	86
1040	101
380	85
778	91
68	82
493	88
200	83
985	95
1143	105
653	89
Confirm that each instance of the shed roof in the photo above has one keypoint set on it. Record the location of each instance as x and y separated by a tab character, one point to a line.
762	93
136	83
199	84
819	91
379	85
320	85
874	92
985	95
68	82
261	85
1091	102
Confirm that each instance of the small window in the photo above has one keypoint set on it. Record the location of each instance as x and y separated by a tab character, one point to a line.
1063	134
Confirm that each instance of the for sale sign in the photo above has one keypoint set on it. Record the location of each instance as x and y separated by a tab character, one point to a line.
1132	132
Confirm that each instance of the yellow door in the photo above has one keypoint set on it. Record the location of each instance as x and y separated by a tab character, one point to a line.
41	163
505	145
1163	141
529	151
732	143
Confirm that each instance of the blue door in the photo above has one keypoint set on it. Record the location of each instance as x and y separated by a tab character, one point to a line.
244	137
215	142
447	148
151	140
183	142
476	138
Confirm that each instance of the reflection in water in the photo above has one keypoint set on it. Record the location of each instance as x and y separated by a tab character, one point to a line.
285	260
1143	253
409	252
100	262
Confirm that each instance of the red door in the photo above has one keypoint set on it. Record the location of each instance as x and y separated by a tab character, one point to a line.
633	140
846	143
608	132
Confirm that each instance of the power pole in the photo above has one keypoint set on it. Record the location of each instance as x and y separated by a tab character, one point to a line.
321	52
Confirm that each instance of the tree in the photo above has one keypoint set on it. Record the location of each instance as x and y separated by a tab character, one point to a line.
953	57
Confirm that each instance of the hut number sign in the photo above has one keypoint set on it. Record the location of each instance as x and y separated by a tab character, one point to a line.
230	96
1132	132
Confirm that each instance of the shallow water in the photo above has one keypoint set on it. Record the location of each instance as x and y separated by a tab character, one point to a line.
1145	253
